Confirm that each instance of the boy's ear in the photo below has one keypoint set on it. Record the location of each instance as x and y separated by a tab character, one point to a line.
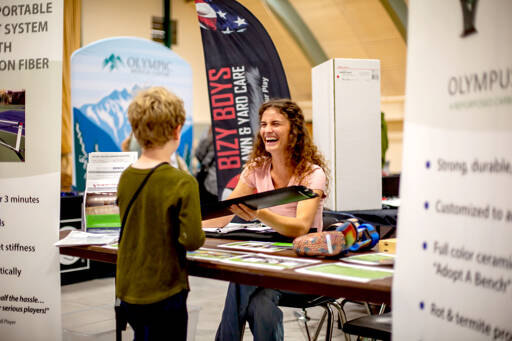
177	132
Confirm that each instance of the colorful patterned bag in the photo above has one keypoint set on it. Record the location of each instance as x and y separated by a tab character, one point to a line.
324	244
328	243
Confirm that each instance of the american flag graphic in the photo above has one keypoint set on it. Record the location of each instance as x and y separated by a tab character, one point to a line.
213	16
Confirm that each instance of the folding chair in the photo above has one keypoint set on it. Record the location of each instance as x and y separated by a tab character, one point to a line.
304	301
376	326
372	326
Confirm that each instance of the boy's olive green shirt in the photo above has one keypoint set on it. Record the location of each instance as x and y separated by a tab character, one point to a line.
163	222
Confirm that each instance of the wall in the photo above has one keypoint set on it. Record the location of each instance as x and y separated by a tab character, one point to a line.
102	19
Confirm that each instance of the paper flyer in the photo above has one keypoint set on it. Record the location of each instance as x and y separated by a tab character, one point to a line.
75	238
257	246
103	172
347	272
212	254
254	227
265	261
374	259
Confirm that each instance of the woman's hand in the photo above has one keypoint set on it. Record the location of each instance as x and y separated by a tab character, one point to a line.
293	226
244	212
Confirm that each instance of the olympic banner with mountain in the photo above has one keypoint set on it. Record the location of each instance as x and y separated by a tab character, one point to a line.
243	70
105	76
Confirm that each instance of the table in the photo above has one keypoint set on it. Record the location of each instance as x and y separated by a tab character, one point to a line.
377	291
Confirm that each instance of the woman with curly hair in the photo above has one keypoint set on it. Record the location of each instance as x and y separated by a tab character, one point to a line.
283	155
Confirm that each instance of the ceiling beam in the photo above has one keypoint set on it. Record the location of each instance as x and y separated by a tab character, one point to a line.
397	10
302	35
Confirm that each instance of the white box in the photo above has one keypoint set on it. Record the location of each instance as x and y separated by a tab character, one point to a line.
347	130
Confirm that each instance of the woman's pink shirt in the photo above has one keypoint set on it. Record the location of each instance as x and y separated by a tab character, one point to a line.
261	180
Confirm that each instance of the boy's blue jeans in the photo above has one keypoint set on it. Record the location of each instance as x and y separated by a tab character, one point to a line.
163	320
258	306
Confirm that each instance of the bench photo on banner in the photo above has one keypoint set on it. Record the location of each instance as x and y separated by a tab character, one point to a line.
12	125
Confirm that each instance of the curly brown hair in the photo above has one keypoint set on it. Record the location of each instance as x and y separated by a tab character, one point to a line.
303	153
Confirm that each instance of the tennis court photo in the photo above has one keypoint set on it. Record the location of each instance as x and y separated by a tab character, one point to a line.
12	125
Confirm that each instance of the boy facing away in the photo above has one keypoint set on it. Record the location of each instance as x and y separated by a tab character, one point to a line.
162	224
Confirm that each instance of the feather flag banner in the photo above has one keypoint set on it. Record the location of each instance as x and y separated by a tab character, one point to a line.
243	70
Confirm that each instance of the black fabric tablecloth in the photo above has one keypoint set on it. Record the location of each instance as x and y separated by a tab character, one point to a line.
383	217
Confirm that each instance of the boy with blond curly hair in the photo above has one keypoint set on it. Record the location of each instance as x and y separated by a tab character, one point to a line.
163	222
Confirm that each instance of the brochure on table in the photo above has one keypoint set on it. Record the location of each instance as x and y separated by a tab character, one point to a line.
30	150
347	272
212	254
374	259
76	238
101	213
453	270
254	227
257	246
270	262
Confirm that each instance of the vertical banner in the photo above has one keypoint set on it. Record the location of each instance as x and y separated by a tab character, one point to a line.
105	76
30	120
243	70
453	275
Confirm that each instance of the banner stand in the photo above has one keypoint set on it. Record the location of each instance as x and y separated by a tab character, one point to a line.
30	96
453	271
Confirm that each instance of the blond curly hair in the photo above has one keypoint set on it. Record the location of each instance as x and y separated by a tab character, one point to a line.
154	115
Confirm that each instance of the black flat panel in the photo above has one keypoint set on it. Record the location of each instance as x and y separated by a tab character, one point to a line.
258	201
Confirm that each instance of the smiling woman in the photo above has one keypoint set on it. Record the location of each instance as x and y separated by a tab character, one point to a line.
293	148
283	155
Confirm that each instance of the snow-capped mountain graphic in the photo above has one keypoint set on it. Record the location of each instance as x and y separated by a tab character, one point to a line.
109	114
101	127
